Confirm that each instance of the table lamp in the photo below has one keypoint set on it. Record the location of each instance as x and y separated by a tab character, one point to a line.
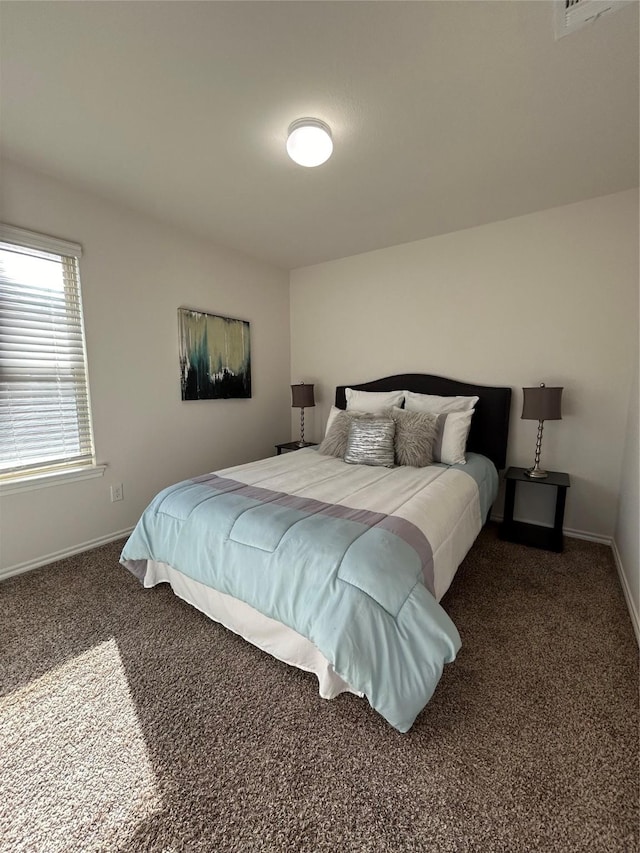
302	398
540	404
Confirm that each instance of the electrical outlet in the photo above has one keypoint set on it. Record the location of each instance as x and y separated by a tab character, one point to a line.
116	492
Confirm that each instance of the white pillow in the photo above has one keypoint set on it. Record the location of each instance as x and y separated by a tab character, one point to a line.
333	412
451	437
433	403
373	401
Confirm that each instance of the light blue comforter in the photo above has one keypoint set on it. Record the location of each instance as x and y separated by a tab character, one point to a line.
353	582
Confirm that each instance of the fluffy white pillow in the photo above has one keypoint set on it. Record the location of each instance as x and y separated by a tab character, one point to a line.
433	403
374	402
415	435
452	431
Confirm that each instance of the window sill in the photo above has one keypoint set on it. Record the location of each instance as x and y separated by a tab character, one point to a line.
43	481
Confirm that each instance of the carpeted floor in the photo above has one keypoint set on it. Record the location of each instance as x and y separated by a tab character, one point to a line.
129	722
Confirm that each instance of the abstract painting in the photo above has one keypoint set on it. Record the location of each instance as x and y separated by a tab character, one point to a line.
215	358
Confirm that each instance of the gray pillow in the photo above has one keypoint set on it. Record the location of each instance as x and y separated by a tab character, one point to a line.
370	442
335	441
416	433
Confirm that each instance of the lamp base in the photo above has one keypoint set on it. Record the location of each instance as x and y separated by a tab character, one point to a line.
537	473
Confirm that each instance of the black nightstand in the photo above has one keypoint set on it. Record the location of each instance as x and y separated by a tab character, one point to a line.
523	533
290	446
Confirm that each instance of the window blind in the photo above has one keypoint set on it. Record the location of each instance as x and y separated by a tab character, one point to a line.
45	420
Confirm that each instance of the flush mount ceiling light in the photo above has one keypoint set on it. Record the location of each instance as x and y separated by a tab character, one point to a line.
309	142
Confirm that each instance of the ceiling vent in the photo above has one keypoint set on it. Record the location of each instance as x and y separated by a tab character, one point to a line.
572	15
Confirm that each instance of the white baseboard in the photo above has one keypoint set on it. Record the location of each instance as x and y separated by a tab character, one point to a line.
19	568
589	537
631	605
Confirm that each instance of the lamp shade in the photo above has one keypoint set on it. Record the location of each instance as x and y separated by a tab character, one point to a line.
542	403
302	396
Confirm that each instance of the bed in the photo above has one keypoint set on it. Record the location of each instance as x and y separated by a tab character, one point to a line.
334	568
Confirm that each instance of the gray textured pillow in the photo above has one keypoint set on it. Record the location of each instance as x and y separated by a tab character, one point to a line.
335	441
370	442
416	433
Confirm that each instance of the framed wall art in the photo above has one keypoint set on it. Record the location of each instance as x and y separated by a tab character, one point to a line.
215	356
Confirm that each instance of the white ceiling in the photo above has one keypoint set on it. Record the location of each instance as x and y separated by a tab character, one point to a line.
445	114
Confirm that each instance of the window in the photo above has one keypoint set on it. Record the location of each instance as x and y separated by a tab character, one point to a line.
45	419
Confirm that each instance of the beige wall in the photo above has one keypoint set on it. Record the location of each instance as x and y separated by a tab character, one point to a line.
549	297
135	274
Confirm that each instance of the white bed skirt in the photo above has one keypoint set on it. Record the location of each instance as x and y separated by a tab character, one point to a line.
276	639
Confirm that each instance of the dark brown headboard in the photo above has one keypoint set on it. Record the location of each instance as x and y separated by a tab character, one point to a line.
490	422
